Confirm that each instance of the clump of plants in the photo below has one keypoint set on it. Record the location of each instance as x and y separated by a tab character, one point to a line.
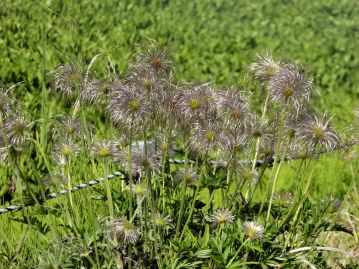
200	169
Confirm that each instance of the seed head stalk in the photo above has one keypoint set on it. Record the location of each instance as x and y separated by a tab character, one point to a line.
183	191
130	173
69	181
108	189
191	210
257	149
275	182
275	160
236	254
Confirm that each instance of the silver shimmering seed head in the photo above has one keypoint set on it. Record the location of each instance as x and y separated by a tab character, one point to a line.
67	79
5	101
263	68
188	176
290	85
66	128
17	130
103	149
66	149
123	231
128	107
252	230
222	216
317	131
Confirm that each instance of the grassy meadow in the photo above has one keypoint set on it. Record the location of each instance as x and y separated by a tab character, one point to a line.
93	87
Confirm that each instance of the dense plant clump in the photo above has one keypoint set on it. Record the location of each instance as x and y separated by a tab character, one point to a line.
216	207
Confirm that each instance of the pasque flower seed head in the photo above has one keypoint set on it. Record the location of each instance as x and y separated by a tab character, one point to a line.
317	131
127	106
253	230
222	216
68	78
123	231
103	149
264	68
290	86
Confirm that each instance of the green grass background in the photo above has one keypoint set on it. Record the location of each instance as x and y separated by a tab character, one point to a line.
212	40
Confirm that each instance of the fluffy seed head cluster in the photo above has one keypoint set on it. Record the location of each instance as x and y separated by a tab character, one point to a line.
195	102
234	144
234	107
187	175
253	230
156	59
222	216
123	231
263	68
317	131
17	130
206	136
66	149
103	149
139	159
67	79
67	129
99	91
128	107
249	175
283	198
6	102
290	85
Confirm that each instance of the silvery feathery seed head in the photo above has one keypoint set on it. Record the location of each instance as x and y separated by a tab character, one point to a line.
103	149
57	180
234	144
249	175
299	150
253	230
6	102
194	102
148	81
128	107
260	129
123	231
264	68
66	149
157	59
165	144
99	91
317	131
141	160
283	198
221	216
67	79
18	131
206	136
66	129
187	175
290	86
295	119
234	106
